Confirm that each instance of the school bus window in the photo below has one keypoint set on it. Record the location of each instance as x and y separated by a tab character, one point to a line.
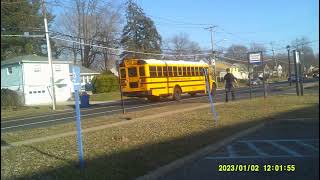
179	71
123	73
141	71
153	71
201	71
197	71
159	69
132	72
184	71
175	69
190	71
170	71
165	71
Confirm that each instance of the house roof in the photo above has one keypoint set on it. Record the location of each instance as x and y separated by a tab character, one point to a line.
32	59
83	70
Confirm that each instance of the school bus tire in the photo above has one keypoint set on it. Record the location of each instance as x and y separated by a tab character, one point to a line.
177	93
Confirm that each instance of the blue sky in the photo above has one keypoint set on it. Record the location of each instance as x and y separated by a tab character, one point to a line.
238	21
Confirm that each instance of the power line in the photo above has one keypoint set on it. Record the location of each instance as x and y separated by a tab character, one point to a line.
123	50
19	35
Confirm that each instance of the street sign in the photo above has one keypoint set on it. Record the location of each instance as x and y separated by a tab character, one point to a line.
76	77
297	57
255	58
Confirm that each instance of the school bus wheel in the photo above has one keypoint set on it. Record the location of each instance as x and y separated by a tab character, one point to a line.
177	93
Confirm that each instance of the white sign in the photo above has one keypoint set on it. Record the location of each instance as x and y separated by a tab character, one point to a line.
254	58
213	62
76	77
297	57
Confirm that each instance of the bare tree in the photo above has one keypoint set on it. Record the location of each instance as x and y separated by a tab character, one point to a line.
182	45
238	52
92	22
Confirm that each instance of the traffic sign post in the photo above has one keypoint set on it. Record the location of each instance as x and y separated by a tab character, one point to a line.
296	60
77	86
256	58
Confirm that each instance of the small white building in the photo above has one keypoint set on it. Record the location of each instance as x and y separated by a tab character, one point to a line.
86	75
30	75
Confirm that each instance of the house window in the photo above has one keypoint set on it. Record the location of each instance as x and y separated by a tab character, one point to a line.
43	91
57	68
9	70
36	68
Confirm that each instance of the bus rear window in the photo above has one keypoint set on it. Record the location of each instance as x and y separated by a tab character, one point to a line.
123	73
141	71
132	72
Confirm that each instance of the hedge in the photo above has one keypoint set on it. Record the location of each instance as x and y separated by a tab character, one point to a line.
10	98
106	82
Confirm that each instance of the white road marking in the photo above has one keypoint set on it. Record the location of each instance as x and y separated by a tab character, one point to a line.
287	150
307	145
231	151
256	149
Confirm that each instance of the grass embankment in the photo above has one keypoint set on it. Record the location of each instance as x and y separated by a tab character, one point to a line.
31	110
131	150
45	109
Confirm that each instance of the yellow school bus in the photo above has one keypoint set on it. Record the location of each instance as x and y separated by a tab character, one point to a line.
153	78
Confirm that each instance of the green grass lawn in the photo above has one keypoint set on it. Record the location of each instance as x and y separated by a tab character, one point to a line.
131	150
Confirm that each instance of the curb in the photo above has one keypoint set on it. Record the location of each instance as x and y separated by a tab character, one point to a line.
166	169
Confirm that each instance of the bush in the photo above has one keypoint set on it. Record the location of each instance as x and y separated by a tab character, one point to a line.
106	82
11	99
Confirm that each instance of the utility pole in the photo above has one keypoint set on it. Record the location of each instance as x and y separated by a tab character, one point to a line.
274	59
211	29
49	55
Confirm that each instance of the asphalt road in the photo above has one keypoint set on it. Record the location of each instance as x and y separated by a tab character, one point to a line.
280	143
19	123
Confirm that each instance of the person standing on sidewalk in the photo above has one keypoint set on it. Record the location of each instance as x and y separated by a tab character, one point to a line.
229	81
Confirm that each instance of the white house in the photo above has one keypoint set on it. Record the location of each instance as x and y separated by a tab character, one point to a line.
86	75
30	75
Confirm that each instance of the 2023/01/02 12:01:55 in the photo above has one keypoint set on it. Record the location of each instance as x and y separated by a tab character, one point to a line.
279	167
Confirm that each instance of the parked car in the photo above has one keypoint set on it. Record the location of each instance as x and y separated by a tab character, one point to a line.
256	81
